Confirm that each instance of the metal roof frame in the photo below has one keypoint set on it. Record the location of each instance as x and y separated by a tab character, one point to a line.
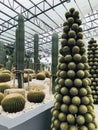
40	26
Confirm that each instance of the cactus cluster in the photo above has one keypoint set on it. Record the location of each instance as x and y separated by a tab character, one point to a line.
73	108
93	63
35	96
13	103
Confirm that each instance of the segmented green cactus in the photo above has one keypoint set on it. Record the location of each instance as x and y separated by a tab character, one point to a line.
2	54
13	103
36	60
35	96
73	108
40	76
14	56
54	58
4	77
20	49
93	63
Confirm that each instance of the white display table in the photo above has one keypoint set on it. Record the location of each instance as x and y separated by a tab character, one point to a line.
36	119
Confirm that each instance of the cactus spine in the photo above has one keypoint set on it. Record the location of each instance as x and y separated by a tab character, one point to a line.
36	60
20	49
54	58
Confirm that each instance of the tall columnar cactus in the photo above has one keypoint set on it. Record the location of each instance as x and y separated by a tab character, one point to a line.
93	63
2	54
73	108
36	60
20	49
54	59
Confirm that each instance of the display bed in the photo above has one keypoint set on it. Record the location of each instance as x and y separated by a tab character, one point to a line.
15	121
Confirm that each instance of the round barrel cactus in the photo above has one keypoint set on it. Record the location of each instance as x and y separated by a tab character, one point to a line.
35	96
40	76
4	77
13	103
73	108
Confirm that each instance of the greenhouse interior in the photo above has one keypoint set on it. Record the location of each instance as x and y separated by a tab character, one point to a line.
48	64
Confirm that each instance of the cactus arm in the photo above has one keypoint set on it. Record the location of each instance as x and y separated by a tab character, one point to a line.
20	49
54	58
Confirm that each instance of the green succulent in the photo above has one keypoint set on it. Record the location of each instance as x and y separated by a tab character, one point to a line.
4	77
66	28
72	66
68	58
75	50
66	50
40	76
70	20
68	14
80	43
73	108
64	42
35	96
64	35
77	57
71	41
75	26
72	34
13	103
